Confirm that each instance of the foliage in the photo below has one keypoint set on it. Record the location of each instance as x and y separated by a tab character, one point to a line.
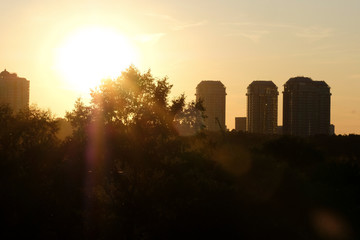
129	172
134	99
79	118
29	161
190	120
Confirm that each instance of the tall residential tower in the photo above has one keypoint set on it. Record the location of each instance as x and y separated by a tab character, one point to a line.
14	91
306	107
213	95
262	102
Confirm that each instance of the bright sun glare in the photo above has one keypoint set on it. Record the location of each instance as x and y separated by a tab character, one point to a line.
91	54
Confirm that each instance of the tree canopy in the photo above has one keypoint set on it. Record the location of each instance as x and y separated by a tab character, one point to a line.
134	168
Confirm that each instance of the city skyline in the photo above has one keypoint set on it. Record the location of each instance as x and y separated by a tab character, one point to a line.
306	105
235	42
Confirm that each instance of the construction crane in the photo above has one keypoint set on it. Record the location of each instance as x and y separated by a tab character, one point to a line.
221	128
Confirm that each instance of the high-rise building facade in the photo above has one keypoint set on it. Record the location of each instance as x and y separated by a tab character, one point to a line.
213	95
306	107
262	107
14	91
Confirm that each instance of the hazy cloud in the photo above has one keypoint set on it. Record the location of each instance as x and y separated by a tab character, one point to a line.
310	34
149	38
271	25
252	30
178	25
355	76
197	24
313	34
162	17
254	36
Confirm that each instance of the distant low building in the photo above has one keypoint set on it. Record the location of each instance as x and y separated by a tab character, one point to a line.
240	124
14	91
332	129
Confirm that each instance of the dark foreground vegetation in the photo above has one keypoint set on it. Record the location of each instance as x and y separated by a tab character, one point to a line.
138	166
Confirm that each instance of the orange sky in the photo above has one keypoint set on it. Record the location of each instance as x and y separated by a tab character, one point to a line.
188	41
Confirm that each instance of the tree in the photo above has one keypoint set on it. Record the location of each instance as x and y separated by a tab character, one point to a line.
79	118
141	103
189	120
29	162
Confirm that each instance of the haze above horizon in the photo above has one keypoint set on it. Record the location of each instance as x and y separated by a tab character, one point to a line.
233	41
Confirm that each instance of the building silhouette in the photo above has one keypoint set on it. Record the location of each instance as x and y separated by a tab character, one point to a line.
240	124
332	129
306	107
14	91
213	95
262	107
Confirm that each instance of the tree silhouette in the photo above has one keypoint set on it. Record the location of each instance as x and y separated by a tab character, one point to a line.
29	161
135	168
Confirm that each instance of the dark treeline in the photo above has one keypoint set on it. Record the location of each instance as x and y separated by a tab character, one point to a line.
138	166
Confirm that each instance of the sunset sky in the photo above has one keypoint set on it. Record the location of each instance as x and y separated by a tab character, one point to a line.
64	47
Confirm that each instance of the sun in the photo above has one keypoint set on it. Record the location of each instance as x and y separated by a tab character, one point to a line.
91	54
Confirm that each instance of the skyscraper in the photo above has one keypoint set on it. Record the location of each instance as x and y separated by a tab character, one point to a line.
306	107
14	91
262	102
213	95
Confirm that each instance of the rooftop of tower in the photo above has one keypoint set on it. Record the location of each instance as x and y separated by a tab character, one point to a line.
267	83
301	79
321	83
211	82
5	75
211	86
